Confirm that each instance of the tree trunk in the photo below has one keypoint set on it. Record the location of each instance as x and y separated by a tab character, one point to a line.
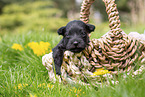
137	11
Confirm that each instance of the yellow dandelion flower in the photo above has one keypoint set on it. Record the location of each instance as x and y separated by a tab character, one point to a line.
50	86
20	86
39	85
75	90
17	47
25	85
43	84
44	45
100	72
40	48
31	95
33	45
79	91
38	52
78	96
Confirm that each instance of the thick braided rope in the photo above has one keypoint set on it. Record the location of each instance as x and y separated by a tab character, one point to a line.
85	10
115	49
113	16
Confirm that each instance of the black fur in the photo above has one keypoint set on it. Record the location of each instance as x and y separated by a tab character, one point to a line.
75	39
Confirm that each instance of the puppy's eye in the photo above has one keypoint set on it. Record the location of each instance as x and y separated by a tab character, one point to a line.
83	34
67	36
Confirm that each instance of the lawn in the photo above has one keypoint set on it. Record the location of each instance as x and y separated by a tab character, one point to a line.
23	75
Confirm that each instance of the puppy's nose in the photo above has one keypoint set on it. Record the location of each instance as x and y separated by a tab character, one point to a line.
75	43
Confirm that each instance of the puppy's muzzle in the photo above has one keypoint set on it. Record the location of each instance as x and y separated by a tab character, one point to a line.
75	43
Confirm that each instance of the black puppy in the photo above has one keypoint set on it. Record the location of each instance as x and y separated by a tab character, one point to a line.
75	39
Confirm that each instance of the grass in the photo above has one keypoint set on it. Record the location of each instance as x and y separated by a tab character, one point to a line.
23	75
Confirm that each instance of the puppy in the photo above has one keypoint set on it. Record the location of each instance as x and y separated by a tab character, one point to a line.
75	39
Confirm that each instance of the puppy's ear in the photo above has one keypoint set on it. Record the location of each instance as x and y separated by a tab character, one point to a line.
61	30
90	27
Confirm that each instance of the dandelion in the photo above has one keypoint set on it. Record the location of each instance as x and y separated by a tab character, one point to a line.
50	86
39	85
100	72
43	84
75	90
39	48
25	85
17	47
44	45
20	86
31	95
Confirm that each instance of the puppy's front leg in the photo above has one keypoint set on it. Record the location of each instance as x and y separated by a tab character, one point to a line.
58	53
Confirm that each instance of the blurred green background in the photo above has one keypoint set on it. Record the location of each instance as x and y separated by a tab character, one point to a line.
19	16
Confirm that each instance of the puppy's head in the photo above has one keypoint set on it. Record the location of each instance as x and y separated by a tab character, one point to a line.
75	35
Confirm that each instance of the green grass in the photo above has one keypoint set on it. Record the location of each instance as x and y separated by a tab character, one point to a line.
24	67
